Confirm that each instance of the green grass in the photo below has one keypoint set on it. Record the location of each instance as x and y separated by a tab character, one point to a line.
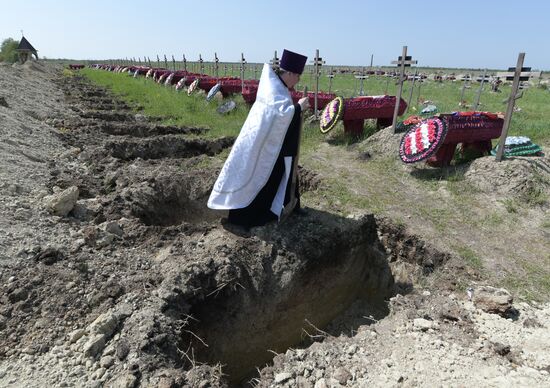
532	284
469	256
174	107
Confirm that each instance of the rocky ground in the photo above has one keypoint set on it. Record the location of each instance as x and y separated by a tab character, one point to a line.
114	273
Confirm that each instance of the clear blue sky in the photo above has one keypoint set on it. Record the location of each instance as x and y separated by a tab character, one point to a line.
464	33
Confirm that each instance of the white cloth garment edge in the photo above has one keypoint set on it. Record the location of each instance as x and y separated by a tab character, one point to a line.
278	202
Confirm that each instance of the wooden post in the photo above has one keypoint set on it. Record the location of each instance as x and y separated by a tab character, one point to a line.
330	77
158	61
317	63
412	89
201	64
362	80
275	62
401	62
465	80
216	66
478	96
173	63
184	63
419	87
165	62
510	108
243	61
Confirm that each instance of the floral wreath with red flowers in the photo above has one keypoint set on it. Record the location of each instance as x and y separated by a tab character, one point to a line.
422	140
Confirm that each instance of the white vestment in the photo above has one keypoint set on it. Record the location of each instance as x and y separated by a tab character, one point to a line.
251	160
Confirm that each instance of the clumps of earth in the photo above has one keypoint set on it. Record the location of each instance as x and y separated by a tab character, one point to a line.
113	272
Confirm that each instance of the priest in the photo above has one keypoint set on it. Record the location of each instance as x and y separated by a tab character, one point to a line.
255	181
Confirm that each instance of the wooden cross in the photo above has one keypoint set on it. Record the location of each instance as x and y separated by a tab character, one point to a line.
361	77
317	63
419	88
275	62
519	74
402	61
412	89
330	76
216	65
478	95
243	62
466	79
201	64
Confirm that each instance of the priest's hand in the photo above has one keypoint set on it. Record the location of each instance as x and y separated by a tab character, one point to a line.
304	103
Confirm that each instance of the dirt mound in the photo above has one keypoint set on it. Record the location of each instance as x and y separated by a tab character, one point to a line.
383	143
515	176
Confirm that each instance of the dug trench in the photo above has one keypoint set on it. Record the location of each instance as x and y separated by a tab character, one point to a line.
295	283
176	294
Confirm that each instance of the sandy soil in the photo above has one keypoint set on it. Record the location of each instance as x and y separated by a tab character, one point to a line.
114	273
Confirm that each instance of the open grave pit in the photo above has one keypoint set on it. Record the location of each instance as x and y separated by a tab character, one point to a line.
262	291
168	146
138	129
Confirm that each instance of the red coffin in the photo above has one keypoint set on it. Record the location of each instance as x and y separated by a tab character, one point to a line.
357	109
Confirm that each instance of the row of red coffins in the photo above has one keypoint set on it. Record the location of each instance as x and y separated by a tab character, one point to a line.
250	91
356	110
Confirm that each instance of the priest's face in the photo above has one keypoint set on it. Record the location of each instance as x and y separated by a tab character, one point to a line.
290	79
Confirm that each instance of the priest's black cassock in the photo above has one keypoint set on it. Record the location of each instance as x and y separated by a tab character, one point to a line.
255	182
258	212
